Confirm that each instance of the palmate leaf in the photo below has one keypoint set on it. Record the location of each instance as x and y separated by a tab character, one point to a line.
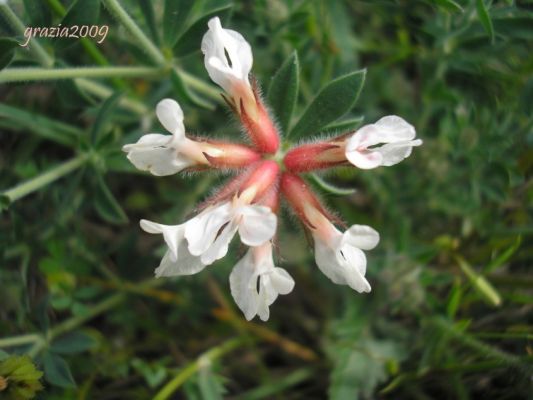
358	371
331	103
283	91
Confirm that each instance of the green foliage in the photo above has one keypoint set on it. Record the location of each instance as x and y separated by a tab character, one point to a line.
449	311
283	90
332	102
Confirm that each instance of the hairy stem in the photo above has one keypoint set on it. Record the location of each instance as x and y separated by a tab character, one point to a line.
43	74
44	179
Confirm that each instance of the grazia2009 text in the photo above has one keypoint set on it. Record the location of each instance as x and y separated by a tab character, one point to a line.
97	32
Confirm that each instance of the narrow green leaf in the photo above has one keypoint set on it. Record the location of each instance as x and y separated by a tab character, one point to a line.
449	5
25	121
73	343
174	19
454	299
328	187
184	93
331	103
7	51
480	283
107	205
147	8
81	12
344	126
105	111
504	256
484	18
191	39
283	91
57	371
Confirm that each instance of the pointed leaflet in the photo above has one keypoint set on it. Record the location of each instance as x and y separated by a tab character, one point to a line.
29	122
484	18
174	19
328	187
106	205
449	5
73	343
331	103
57	371
344	126
104	113
147	8
81	12
283	91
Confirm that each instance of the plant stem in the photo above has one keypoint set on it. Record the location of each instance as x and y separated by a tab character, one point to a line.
39	181
123	17
19	340
202	361
38	51
41	74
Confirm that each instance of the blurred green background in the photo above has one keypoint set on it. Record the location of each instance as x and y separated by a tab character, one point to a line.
450	313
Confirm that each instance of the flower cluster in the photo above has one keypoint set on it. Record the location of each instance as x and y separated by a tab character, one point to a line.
248	204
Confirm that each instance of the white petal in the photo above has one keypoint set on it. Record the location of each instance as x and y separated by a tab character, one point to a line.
394	129
258	224
344	265
177	260
172	234
156	153
243	286
364	159
361	236
353	262
228	56
393	153
281	281
186	264
219	248
170	115
202	230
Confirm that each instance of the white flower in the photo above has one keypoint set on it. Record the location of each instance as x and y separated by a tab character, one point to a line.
397	136
228	59
256	282
210	232
340	257
165	154
177	260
